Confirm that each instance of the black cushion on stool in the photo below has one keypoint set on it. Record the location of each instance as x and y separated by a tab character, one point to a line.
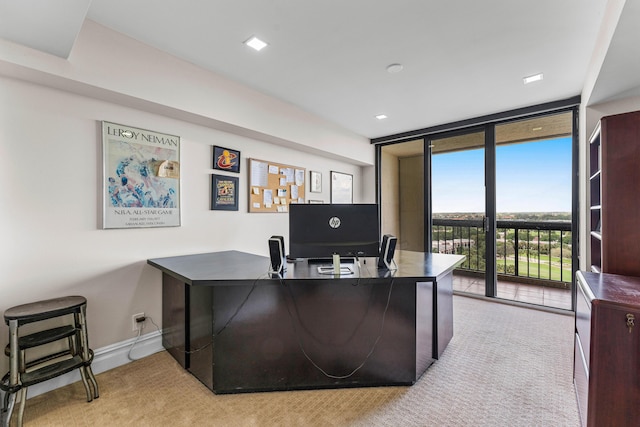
46	309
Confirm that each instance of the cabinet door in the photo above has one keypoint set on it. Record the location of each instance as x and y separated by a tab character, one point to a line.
581	380
614	381
583	317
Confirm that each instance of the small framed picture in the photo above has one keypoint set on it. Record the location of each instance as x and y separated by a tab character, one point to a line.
315	178
224	193
226	159
341	187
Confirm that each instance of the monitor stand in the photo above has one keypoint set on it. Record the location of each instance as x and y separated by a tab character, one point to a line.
330	270
329	261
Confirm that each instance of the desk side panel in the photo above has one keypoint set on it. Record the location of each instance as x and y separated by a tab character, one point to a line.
201	338
174	335
443	314
424	326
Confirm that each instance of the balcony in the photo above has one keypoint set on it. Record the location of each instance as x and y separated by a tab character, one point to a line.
533	258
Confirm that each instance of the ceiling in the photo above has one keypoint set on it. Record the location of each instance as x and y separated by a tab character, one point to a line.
461	58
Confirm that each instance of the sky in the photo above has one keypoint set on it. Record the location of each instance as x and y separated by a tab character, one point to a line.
530	177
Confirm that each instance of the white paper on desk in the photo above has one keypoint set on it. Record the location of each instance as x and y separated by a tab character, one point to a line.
294	191
288	174
299	176
267	197
273	169
259	176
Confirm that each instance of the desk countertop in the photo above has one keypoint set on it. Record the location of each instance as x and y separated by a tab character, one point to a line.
227	266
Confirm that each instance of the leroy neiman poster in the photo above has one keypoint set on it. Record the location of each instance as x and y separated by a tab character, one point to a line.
141	177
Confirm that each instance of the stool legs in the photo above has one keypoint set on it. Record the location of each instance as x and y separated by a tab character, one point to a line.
22	395
87	356
14	356
92	379
14	377
9	404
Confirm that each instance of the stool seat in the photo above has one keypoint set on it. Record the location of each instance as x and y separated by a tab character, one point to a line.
47	309
24	372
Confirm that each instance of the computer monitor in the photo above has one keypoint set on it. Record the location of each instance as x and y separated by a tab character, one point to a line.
321	230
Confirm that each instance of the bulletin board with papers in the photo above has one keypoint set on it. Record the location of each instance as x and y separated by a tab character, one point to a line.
274	186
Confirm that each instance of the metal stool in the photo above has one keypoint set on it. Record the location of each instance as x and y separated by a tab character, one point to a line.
23	373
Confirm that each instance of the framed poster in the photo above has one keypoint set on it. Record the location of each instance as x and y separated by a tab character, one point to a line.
341	187
224	193
226	159
141	178
315	179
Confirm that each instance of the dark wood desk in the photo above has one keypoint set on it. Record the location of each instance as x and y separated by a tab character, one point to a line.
237	329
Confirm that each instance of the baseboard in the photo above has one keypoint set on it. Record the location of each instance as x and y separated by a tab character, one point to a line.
104	359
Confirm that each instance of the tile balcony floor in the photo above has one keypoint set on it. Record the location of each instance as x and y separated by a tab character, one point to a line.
532	294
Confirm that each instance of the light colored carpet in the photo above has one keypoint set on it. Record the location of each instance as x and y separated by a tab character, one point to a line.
506	366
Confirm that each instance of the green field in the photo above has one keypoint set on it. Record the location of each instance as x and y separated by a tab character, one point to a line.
552	272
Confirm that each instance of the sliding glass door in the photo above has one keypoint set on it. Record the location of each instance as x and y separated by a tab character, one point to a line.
503	194
459	205
534	210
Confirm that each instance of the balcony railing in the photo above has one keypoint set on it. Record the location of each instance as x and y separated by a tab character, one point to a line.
529	251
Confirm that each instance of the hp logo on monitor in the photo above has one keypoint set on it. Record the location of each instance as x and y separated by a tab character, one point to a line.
334	222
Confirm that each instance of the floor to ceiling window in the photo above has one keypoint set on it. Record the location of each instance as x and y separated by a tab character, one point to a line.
501	193
458	204
533	208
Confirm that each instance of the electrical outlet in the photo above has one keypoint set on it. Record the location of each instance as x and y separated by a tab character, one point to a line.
134	321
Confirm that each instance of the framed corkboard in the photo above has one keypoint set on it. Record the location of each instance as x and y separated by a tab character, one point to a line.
274	186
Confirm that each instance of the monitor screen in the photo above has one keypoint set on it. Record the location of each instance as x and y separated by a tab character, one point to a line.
319	230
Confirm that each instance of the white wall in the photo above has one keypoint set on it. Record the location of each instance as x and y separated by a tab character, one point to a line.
51	167
50	146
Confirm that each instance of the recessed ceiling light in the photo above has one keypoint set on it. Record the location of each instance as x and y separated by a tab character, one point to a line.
533	78
394	68
255	43
381	116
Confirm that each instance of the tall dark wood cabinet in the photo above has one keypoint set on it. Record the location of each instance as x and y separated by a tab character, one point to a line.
607	349
607	339
614	189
